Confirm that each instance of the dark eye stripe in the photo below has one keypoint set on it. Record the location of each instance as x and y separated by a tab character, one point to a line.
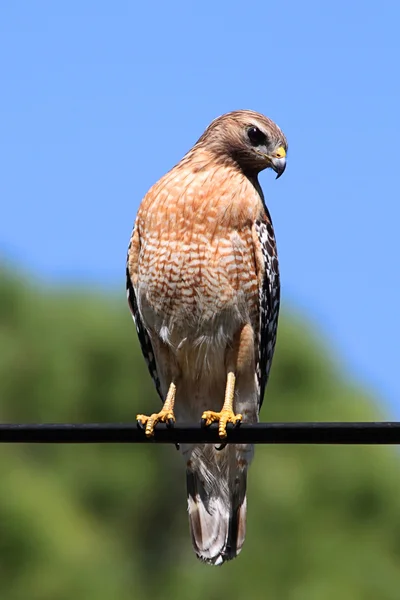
256	136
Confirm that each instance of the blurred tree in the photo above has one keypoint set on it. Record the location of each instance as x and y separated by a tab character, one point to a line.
105	522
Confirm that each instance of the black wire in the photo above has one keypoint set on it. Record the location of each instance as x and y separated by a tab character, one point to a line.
260	433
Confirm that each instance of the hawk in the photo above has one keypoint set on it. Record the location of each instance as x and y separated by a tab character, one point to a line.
203	289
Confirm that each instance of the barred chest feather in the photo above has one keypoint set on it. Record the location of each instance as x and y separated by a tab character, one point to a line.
197	272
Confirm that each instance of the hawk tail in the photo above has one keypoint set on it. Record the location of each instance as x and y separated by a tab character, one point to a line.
217	513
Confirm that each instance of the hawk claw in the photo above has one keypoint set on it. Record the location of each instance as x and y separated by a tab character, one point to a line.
223	418
220	447
148	423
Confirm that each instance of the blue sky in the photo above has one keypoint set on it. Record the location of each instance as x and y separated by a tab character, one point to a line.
99	99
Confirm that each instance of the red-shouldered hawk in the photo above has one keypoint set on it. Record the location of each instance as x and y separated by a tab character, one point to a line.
203	288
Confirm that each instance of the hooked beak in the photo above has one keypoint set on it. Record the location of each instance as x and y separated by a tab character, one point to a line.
278	161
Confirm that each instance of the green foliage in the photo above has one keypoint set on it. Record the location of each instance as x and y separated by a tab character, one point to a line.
105	522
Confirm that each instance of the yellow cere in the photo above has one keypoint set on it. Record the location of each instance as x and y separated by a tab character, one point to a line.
281	152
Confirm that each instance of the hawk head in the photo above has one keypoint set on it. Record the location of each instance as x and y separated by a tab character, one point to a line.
252	140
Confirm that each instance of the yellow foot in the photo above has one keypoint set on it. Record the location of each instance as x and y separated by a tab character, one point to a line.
224	417
149	423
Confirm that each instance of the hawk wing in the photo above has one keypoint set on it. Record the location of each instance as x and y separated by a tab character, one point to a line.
144	338
269	299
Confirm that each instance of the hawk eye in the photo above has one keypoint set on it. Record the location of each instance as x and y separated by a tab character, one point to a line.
256	137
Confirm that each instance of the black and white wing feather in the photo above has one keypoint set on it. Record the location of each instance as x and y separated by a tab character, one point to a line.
144	338
269	300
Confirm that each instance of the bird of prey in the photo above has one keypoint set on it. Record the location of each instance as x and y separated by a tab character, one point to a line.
203	289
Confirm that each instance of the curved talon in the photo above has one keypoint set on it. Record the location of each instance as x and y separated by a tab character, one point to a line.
220	447
224	417
149	423
166	414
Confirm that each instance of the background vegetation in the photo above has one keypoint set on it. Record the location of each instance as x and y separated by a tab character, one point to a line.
105	522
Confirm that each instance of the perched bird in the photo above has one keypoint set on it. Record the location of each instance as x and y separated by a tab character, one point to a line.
203	289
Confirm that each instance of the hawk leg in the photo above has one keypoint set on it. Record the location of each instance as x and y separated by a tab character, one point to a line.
240	363
166	414
227	414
